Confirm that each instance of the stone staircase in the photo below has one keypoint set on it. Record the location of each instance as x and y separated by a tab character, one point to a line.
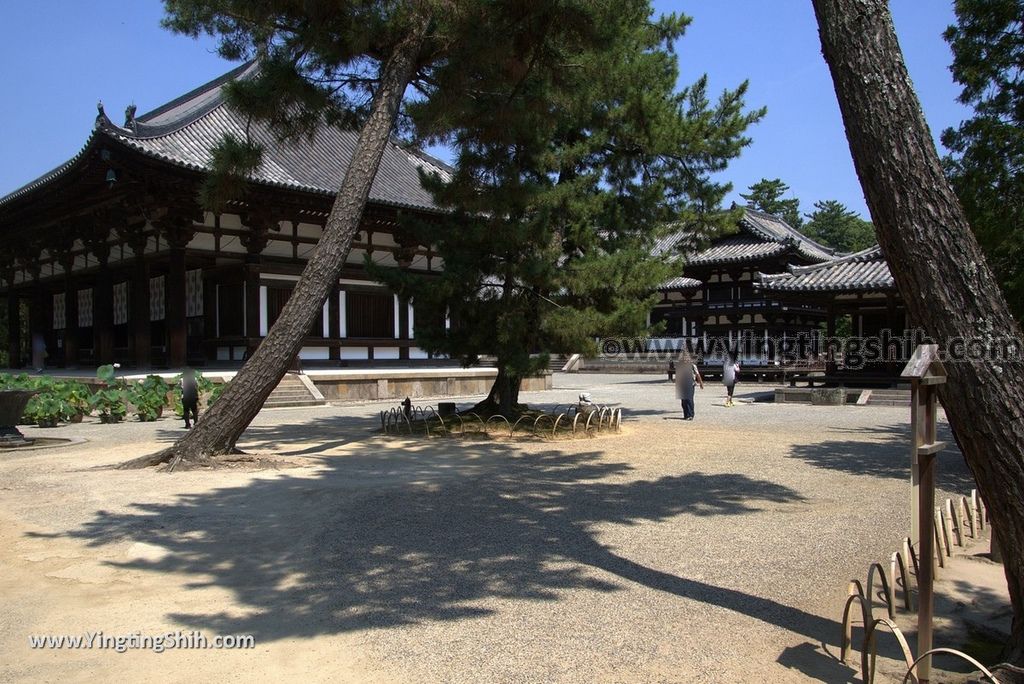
291	392
884	397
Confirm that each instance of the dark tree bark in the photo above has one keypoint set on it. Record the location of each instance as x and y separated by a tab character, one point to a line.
224	422
939	268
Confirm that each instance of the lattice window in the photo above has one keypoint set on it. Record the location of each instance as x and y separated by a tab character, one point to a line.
156	298
58	311
85	308
194	293
120	303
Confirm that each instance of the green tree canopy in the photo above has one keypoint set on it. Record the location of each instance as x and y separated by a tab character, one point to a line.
767	195
834	225
371	65
563	184
986	166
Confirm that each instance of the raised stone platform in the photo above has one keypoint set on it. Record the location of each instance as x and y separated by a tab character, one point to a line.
366	384
808	395
363	384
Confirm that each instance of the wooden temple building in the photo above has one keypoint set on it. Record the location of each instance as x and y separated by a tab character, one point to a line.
859	286
117	262
716	296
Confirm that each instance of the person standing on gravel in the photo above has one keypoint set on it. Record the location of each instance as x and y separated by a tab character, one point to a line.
687	379
189	397
730	375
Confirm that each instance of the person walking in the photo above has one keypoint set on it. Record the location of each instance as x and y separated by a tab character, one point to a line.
189	397
687	379
730	376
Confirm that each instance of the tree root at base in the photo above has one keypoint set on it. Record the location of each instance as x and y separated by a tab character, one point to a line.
173	459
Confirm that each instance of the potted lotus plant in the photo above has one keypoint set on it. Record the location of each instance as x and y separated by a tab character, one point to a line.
109	400
149	396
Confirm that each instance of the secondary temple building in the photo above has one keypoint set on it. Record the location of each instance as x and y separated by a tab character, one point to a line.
116	261
859	286
716	296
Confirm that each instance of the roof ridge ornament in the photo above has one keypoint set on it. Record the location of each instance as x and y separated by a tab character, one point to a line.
129	117
101	116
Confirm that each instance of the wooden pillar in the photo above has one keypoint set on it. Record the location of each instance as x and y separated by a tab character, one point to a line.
403	327
260	221
210	332
70	312
141	325
334	323
37	323
177	228
252	303
830	333
14	358
103	308
177	333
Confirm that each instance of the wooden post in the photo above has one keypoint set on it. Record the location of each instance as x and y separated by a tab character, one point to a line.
915	466
103	308
177	334
13	327
252	303
141	325
260	222
70	312
925	372
334	323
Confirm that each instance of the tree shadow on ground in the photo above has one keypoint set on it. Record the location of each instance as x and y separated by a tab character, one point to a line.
886	454
383	537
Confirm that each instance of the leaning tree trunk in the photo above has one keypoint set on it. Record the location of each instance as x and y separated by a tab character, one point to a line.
243	398
938	266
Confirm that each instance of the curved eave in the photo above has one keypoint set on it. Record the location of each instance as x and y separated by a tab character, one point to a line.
846	289
110	133
686	287
780	250
51	176
281	185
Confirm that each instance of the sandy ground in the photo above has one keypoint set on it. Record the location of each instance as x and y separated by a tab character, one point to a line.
717	550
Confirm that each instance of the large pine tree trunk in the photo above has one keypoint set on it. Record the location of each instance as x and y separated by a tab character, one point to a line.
939	268
225	421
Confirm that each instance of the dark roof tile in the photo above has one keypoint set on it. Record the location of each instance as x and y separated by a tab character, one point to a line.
864	271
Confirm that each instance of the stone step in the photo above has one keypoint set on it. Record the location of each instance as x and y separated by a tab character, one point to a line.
293	403
291	391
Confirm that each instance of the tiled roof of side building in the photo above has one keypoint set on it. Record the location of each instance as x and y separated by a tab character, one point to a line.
864	271
775	229
183	131
760	236
735	249
680	283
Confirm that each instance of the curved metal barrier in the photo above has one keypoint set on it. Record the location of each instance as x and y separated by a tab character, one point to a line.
886	590
970	521
396	421
514	426
869	654
498	417
953	652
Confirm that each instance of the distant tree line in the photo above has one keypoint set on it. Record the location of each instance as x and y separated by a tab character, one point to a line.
832	223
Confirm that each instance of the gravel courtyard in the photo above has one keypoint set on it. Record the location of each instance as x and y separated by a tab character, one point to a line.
715	550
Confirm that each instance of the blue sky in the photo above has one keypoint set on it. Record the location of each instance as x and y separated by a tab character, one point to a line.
59	57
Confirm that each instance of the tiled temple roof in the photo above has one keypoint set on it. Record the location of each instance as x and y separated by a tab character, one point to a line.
760	236
864	271
183	131
680	283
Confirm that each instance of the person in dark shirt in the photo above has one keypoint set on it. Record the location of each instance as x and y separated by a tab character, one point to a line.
189	396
